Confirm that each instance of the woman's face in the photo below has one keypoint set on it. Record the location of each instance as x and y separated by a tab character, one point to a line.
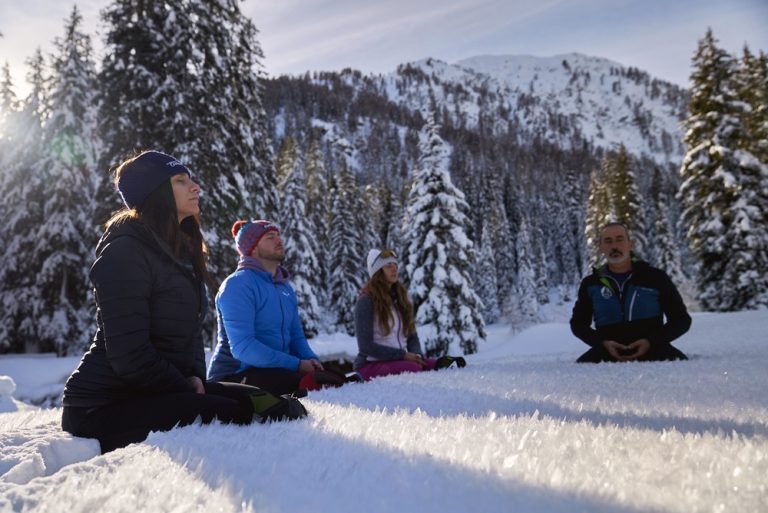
186	194
390	272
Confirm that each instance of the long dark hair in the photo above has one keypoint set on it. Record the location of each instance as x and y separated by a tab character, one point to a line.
158	213
382	292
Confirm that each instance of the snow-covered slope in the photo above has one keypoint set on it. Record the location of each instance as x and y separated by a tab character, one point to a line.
570	101
560	99
522	429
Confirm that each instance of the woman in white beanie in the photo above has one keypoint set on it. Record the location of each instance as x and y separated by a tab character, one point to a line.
385	325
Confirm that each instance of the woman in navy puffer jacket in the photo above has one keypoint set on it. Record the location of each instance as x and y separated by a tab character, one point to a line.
145	370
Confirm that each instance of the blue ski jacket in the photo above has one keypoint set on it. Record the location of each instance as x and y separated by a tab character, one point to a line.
258	325
636	310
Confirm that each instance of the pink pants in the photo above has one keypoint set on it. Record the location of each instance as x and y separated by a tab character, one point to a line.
387	367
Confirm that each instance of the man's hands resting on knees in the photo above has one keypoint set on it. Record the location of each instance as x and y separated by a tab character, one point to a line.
627	353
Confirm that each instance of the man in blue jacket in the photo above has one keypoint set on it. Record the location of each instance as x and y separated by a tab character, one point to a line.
260	338
628	302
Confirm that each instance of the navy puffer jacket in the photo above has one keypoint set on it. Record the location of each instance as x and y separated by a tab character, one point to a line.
636	310
150	310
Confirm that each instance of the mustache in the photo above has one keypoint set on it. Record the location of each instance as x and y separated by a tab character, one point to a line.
616	252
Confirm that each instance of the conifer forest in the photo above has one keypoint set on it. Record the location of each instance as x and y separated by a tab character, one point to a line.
489	178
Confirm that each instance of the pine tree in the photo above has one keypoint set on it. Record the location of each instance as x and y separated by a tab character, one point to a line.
371	223
624	196
297	235
614	197
318	209
666	249
396	215
501	240
598	214
9	117
752	89
347	260
540	248
568	235
8	113
23	209
721	188
522	308
67	164
439	254
184	78
573	248
485	279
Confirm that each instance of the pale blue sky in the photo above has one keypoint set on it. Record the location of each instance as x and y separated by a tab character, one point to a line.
658	36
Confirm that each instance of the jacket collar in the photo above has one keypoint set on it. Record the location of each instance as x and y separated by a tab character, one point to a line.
248	262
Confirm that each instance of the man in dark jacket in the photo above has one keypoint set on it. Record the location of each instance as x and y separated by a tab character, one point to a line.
628	301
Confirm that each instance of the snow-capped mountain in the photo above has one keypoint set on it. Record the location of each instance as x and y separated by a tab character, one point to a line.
607	103
567	97
569	101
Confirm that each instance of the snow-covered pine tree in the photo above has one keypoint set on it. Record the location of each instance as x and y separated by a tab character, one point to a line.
9	117
501	240
753	91
142	80
371	223
318	209
146	87
298	235
23	209
522	308
244	151
541	245
666	248
440	254
184	78
347	260
573	248
598	214
390	230
67	164
721	188
624	196
241	122
9	104
485	278
287	159
395	239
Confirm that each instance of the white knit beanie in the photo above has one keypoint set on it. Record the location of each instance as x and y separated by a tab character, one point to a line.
375	262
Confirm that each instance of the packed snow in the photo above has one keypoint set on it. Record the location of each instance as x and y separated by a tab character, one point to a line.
522	428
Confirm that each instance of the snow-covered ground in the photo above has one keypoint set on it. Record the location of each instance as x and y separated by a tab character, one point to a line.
520	429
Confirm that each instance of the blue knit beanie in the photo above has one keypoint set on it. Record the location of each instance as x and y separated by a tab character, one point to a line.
145	173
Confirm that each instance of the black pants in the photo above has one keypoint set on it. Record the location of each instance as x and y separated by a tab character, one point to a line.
276	381
654	354
122	423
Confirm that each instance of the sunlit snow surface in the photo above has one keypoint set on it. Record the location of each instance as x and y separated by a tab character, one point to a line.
521	429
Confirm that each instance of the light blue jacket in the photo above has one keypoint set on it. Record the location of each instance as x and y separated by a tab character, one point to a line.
258	325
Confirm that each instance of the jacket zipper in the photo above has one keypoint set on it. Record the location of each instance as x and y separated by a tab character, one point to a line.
622	298
399	324
632	305
282	316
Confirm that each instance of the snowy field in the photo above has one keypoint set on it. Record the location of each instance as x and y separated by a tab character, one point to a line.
521	429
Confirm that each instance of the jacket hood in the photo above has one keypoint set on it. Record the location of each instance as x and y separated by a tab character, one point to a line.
139	231
129	228
248	262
